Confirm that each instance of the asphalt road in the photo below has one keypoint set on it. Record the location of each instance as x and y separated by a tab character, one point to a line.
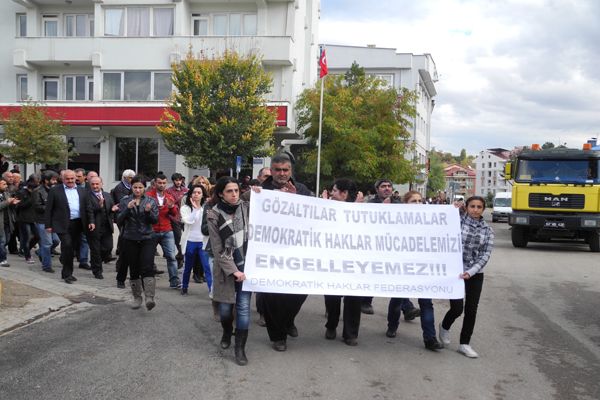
538	335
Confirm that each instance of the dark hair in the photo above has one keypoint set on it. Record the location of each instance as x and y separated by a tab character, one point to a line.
220	186
410	194
281	159
160	175
139	179
188	198
347	185
79	170
380	181
176	176
48	175
254	182
475	198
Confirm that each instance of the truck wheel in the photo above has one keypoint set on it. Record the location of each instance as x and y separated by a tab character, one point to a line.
594	241
519	236
494	219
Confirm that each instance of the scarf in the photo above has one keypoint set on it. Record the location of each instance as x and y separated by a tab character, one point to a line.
233	230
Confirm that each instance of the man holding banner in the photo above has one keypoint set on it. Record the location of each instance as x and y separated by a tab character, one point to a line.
280	309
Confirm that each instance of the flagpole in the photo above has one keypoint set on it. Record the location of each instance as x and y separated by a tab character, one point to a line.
319	141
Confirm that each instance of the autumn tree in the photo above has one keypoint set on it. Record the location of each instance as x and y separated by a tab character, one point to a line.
365	129
219	111
34	136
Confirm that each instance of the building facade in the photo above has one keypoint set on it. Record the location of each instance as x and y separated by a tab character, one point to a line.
415	72
105	66
460	181
489	166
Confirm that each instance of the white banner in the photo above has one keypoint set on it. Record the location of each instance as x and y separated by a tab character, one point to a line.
301	244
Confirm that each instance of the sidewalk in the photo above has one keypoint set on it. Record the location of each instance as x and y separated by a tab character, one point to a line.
28	294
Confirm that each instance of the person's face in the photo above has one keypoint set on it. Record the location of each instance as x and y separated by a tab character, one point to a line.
137	189
231	193
79	177
9	178
16	179
91	175
475	209
96	184
3	186
178	182
69	179
160	184
264	175
415	199
197	195
53	181
384	190
339	195
128	179
281	173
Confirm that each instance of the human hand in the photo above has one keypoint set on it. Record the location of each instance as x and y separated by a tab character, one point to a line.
131	204
115	208
465	276
91	227
239	276
289	187
148	207
256	189
360	197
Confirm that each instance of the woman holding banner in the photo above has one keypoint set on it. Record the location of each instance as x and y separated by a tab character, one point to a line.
343	190
426	305
228	233
477	241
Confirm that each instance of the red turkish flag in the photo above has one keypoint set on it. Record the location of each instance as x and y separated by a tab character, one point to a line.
323	63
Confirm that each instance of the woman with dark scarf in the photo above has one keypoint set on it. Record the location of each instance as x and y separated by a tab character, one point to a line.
228	233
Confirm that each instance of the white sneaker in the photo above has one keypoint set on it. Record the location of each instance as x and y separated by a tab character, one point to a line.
4	264
444	336
467	351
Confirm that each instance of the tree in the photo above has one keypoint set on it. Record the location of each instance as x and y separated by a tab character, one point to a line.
437	180
219	111
364	134
34	136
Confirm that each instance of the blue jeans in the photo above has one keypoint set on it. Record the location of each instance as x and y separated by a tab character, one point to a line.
2	244
242	309
167	244
84	250
46	241
27	231
193	254
395	307
427	319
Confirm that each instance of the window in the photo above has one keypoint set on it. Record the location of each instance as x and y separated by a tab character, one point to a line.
200	25
50	23
112	86
163	22
79	87
388	79
114	22
249	25
79	25
220	25
139	21
21	25
138	154
137	85
235	24
22	88
50	87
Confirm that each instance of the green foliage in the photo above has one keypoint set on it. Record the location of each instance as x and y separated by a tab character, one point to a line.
464	160
365	129
437	180
222	111
33	136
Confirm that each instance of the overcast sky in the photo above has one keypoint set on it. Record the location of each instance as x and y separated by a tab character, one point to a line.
511	72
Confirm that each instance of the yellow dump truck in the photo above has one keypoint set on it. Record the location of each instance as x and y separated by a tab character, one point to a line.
556	195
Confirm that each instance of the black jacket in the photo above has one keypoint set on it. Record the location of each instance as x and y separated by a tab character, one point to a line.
57	213
101	216
136	222
119	192
26	212
301	189
40	198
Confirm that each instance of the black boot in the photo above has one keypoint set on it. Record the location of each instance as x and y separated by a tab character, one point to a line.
241	335
227	332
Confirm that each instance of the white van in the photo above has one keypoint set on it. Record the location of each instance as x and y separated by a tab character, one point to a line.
502	206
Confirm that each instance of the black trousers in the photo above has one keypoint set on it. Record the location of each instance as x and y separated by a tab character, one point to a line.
351	314
69	241
101	244
280	310
139	256
177	232
473	288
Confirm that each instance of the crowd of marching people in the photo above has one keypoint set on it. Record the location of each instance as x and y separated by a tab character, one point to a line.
202	230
